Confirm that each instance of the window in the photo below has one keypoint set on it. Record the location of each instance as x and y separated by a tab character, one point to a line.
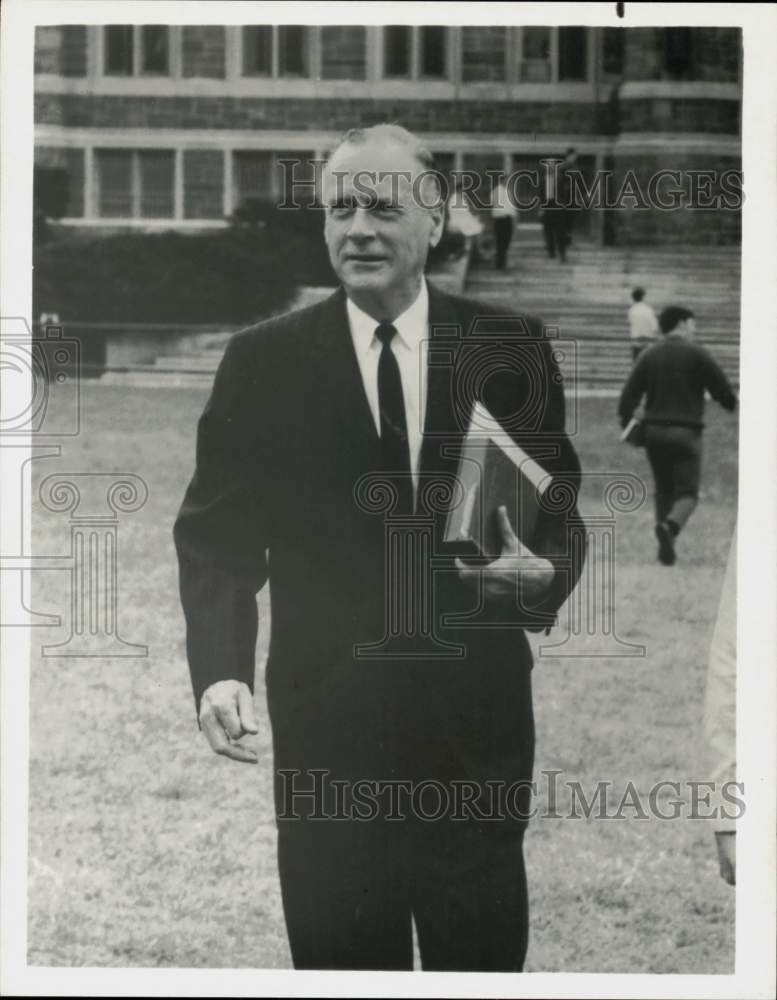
133	184
397	43
535	55
257	50
414	53
549	54
114	176
273	176
118	49
433	51
136	50
154	50
270	50
678	53
613	47
292	50
572	53
156	170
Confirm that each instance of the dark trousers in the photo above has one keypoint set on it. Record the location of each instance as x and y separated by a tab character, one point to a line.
350	890
503	234
674	454
555	231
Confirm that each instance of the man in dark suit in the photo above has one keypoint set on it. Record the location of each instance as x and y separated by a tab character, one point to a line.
398	676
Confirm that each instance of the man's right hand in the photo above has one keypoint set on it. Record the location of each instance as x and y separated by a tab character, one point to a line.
226	715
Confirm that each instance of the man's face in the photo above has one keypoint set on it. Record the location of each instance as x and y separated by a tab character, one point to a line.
377	230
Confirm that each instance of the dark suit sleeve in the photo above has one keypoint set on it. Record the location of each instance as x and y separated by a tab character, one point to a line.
560	534
221	530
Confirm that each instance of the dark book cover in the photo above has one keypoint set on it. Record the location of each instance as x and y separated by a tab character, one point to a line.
493	472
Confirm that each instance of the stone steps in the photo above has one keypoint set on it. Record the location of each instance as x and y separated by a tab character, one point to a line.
586	300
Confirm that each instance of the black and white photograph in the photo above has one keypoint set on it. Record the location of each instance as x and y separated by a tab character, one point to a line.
388	548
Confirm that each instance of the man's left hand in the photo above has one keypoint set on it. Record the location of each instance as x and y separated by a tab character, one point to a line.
517	574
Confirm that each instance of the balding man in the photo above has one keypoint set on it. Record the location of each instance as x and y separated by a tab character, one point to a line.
398	677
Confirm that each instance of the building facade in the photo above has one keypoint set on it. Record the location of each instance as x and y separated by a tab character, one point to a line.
158	126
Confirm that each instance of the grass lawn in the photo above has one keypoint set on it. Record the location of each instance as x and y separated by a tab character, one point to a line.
148	850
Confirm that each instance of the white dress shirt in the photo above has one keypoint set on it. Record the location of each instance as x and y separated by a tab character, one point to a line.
410	349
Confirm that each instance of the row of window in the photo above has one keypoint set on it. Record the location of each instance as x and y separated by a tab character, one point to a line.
408	52
138	184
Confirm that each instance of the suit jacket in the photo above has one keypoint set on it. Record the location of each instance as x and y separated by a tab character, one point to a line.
278	492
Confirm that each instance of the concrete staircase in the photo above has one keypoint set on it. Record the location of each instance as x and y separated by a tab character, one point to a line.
191	360
588	297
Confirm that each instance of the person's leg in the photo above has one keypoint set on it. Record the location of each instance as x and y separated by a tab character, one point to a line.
470	903
508	238
660	457
344	896
686	473
500	239
562	239
547	232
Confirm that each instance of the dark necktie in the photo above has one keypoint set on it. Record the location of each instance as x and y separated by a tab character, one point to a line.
393	423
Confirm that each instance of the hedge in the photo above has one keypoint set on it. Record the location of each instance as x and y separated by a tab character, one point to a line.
231	276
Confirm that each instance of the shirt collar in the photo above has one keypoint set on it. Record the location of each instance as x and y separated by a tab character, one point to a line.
411	326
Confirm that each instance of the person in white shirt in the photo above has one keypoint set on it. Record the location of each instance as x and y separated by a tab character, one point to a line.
505	214
643	325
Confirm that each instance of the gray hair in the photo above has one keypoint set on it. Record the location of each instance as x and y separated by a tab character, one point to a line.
388	130
400	135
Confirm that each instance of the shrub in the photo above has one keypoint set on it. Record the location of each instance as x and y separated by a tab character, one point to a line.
230	276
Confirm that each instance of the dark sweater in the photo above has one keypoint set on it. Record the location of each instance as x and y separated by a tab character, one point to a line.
673	375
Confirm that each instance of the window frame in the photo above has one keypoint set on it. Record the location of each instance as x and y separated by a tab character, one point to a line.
275	53
553	58
138	50
586	47
136	188
274	157
523	60
415	56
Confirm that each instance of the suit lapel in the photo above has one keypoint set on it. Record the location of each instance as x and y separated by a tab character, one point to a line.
340	383
344	398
